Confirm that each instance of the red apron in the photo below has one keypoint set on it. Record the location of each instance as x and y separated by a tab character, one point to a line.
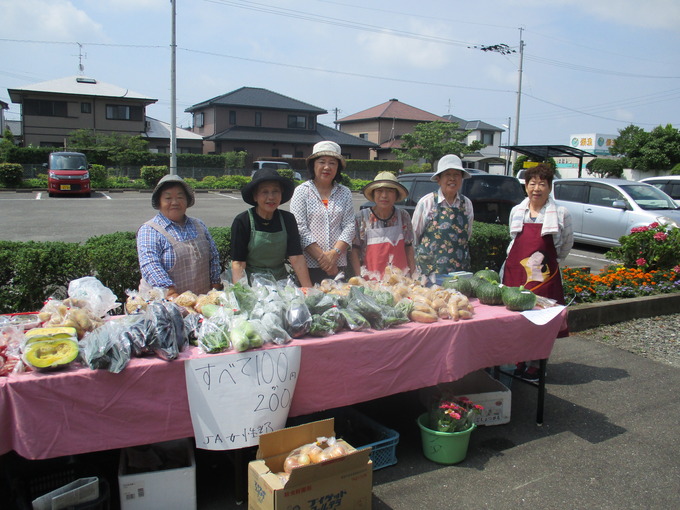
532	262
381	249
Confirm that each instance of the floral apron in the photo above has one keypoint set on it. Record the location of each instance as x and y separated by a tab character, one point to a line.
381	249
443	247
532	263
267	250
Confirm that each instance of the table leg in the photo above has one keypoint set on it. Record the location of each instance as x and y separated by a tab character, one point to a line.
540	385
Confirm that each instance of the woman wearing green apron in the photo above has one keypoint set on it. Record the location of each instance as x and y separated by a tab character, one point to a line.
263	238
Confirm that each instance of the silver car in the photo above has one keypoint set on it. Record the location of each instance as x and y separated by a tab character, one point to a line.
669	184
603	210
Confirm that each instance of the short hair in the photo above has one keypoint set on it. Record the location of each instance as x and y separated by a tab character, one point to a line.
310	169
542	171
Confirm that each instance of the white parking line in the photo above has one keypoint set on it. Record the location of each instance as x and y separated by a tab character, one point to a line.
588	257
106	195
229	195
38	196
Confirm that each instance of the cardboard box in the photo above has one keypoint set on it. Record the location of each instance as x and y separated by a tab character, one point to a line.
486	391
341	483
160	489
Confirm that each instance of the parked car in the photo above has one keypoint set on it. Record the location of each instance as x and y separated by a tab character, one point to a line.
276	165
669	184
492	196
603	210
67	173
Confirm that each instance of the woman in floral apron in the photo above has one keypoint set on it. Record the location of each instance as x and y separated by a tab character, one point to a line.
383	233
541	236
442	222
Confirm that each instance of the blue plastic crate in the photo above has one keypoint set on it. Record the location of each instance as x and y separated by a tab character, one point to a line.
357	428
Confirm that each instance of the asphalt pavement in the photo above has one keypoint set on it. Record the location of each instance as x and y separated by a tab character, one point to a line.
609	441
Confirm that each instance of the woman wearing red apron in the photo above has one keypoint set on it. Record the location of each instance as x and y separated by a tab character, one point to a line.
383	233
542	236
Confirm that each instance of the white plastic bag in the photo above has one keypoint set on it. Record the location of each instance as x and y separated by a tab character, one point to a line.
100	299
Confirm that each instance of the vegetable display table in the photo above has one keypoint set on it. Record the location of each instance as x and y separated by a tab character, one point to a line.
78	410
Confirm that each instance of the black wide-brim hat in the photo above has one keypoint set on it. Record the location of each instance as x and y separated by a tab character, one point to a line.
264	175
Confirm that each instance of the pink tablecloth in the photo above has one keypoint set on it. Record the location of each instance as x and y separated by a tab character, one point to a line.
80	410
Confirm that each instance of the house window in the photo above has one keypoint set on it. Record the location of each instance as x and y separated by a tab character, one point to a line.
311	122
258	119
297	121
123	112
363	136
299	154
275	153
85	107
44	108
232	117
199	119
487	137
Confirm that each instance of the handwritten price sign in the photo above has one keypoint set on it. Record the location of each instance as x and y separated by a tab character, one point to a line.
233	398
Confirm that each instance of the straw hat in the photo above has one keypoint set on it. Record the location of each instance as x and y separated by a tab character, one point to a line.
385	180
166	182
450	161
268	175
327	148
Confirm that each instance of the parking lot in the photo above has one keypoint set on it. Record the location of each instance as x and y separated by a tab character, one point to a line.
33	216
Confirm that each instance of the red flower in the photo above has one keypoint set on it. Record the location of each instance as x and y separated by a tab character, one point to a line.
660	236
640	261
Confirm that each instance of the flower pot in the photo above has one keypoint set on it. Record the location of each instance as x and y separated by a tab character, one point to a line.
443	447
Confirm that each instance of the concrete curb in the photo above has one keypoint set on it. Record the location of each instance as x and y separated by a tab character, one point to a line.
591	315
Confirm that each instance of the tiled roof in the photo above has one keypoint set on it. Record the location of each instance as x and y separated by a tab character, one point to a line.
258	98
393	109
79	86
471	124
257	134
160	129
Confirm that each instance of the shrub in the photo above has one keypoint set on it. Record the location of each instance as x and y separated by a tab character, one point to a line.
675	170
605	167
112	259
488	245
222	237
11	174
98	176
649	248
152	174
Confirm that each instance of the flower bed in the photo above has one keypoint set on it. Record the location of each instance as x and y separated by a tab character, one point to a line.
617	282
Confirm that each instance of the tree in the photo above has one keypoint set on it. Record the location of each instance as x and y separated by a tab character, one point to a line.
656	150
602	167
90	139
432	140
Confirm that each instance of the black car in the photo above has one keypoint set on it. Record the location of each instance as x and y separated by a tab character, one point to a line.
492	196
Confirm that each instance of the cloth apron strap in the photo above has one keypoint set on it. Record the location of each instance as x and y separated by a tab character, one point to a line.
267	250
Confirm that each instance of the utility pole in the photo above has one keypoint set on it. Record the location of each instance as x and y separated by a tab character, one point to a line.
173	96
519	86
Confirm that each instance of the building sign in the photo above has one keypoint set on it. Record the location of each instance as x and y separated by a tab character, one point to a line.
593	143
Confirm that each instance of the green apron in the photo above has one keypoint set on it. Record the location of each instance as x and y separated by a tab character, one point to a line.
443	247
267	250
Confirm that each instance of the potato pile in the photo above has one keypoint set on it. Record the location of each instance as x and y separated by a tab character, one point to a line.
70	312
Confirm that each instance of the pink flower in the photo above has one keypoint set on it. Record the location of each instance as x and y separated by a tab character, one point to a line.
654	225
676	269
660	236
641	261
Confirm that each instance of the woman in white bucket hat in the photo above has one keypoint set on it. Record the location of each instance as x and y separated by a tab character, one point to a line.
324	212
442	222
383	233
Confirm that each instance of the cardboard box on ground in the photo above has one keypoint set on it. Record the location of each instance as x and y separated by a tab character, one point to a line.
344	482
158	476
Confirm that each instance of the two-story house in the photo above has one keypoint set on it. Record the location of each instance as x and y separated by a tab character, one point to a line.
385	124
267	124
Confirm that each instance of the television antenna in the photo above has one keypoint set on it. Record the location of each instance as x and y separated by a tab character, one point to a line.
81	56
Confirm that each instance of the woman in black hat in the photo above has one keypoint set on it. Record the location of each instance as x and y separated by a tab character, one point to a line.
176	252
264	237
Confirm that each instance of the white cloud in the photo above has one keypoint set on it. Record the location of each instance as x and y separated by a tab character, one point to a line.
48	20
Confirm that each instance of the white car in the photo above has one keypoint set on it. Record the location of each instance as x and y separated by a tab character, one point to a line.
669	184
603	210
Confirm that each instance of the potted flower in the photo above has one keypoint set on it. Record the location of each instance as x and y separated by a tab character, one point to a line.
445	430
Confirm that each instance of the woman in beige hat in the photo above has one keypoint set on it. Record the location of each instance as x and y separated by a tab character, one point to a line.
383	233
176	252
324	212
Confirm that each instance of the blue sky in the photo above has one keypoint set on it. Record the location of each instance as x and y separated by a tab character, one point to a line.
589	66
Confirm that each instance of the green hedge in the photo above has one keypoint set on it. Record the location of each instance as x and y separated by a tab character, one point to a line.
31	272
11	175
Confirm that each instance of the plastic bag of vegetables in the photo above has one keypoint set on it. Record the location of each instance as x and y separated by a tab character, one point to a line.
213	336
167	325
297	317
354	320
244	334
366	306
106	347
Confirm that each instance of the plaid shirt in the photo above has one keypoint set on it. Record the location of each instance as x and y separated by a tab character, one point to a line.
156	255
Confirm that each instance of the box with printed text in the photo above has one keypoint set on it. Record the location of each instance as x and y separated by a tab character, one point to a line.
343	483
